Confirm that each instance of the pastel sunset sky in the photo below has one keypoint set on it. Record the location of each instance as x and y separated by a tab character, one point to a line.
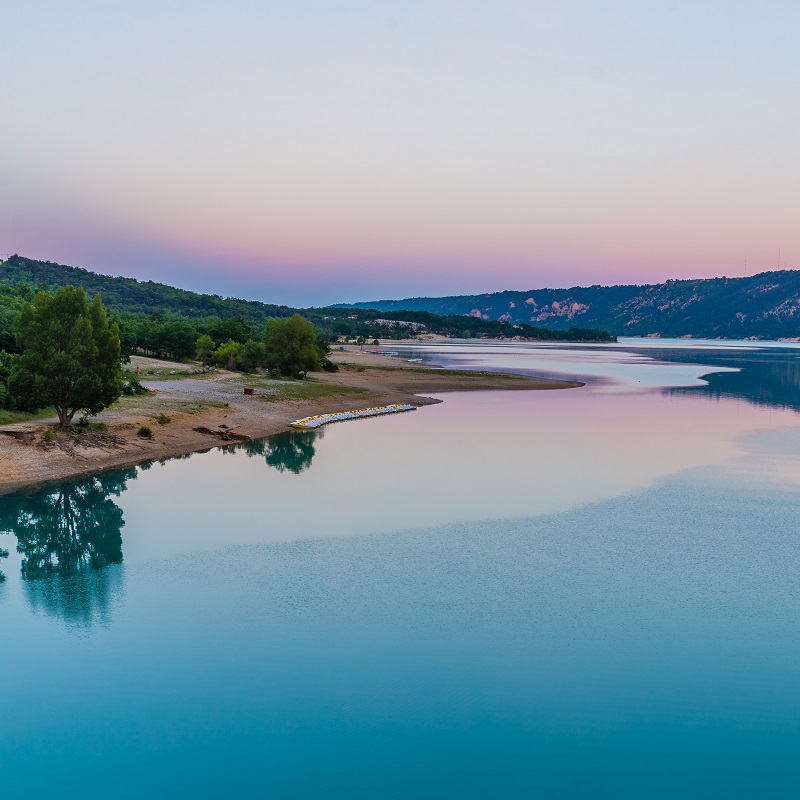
316	151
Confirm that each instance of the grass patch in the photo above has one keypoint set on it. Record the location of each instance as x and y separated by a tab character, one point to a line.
10	417
164	374
145	432
96	427
308	390
163	419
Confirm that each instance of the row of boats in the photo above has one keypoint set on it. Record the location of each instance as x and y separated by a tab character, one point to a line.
322	419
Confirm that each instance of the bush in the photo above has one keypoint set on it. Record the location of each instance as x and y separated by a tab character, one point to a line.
163	419
330	366
134	387
145	432
84	424
49	436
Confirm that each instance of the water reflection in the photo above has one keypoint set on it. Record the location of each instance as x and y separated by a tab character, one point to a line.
287	452
83	599
761	375
765	377
65	535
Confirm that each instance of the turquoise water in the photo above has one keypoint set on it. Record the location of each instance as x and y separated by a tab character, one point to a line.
583	593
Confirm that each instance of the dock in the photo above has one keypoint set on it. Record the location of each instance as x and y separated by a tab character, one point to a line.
309	423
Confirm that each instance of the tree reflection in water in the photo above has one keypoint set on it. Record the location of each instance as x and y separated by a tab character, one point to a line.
67	534
292	451
3	554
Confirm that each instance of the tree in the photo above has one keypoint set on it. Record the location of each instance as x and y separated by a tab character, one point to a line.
70	354
293	347
252	356
5	372
205	347
227	354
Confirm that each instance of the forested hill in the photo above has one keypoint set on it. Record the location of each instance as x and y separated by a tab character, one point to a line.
128	294
167	321
766	306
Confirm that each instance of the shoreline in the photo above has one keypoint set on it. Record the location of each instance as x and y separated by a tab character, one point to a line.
211	410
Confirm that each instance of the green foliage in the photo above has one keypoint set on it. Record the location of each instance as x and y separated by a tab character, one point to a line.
252	356
222	330
227	355
6	399
145	432
142	297
157	335
134	387
83	424
70	354
49	436
12	298
762	305
163	419
204	348
165	322
292	346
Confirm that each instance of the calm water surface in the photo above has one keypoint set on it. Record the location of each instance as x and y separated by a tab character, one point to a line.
581	593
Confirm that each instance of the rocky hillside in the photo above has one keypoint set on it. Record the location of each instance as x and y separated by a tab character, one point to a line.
765	306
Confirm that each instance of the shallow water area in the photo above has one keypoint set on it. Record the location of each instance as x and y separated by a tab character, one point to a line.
579	593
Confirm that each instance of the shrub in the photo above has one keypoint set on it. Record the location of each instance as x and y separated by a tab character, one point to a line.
84	424
163	419
49	436
134	387
145	432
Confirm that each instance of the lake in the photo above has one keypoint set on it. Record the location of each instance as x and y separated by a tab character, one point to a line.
591	592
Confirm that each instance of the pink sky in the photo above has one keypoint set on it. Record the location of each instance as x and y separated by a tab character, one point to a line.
321	152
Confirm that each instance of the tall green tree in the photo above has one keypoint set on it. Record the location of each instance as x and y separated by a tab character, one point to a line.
292	347
252	356
70	354
227	355
5	373
205	347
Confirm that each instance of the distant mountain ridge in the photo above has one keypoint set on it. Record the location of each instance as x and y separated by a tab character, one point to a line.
766	306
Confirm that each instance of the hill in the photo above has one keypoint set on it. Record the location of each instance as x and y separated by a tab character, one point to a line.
166	321
130	295
766	306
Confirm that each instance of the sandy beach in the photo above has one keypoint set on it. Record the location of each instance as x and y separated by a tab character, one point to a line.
210	409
